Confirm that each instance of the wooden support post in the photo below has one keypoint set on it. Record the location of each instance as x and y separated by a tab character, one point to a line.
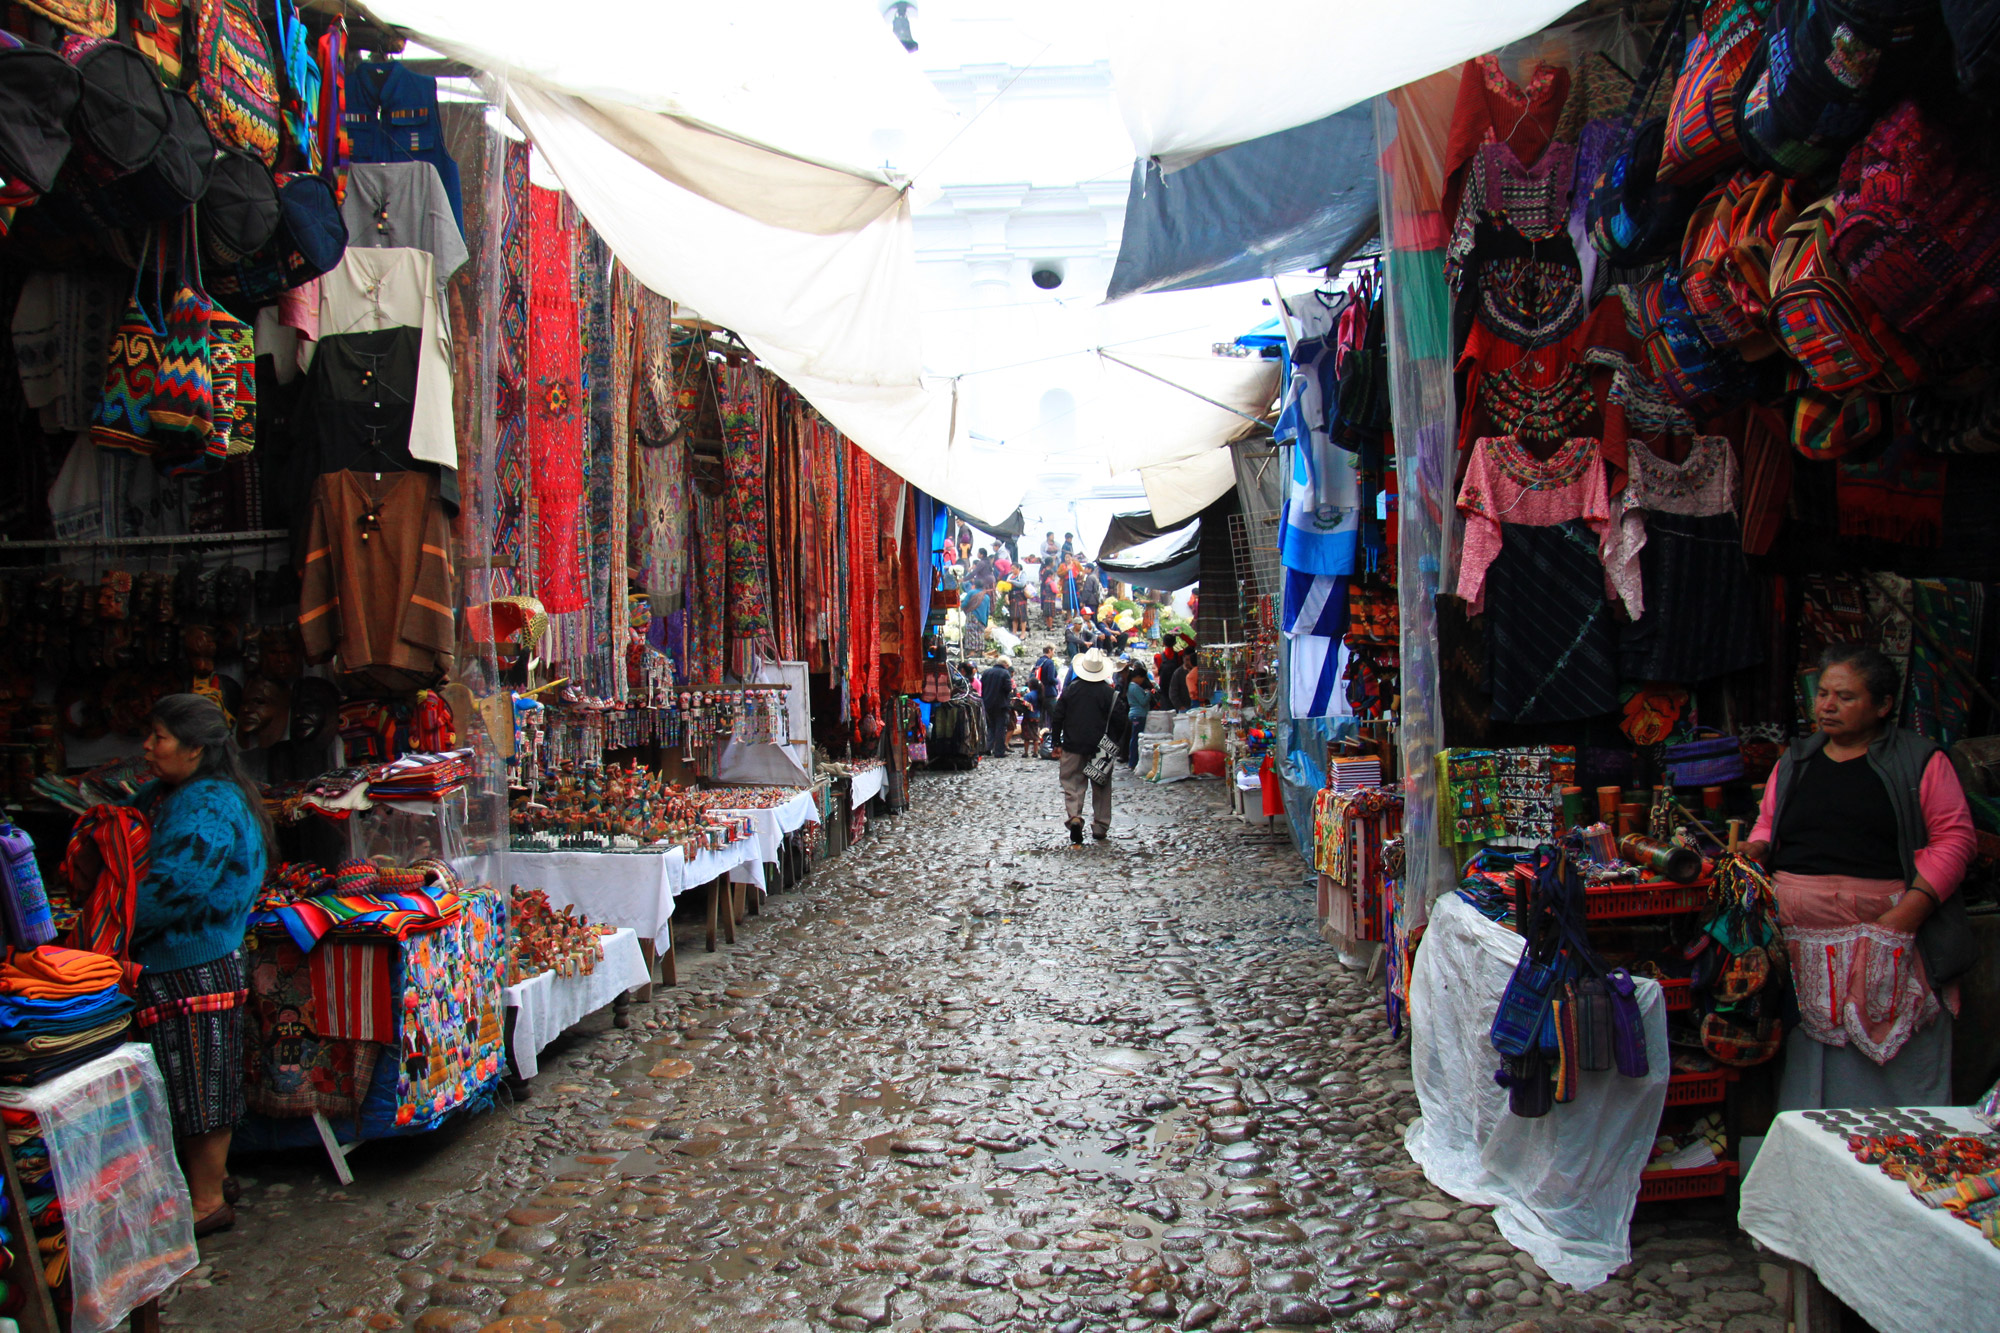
732	902
25	1274
146	1317
336	1152
644	994
714	902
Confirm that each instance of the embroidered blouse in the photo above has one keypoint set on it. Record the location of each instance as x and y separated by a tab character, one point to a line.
1533	200
1504	483
1702	485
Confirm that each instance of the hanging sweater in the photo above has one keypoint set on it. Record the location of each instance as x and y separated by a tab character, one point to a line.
207	864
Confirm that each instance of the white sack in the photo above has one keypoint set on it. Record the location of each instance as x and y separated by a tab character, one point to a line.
1562	1186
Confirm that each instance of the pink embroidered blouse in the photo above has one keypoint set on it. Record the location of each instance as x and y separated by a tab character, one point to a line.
1504	483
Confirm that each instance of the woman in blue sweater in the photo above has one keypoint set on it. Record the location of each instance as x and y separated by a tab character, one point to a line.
209	841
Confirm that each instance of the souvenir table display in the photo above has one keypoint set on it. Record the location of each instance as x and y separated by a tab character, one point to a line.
1827	1185
542	938
574	732
620	808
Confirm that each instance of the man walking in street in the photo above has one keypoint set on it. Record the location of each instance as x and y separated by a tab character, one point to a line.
1083	715
996	695
1045	684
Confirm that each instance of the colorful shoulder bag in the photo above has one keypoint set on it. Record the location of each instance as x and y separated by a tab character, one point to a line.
123	417
1824	324
1634	218
236	85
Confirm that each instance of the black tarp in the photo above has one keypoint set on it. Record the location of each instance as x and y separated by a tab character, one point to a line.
1016	525
1128	530
1162	558
1290	201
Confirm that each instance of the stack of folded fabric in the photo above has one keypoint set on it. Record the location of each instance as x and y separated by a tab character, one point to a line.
1355	774
420	777
59	1009
359	898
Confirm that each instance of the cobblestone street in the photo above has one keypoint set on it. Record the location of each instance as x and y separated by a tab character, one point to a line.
967	1077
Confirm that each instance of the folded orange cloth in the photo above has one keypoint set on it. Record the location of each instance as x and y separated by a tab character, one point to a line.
51	972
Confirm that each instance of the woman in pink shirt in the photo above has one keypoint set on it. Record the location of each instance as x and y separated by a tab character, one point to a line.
1867	832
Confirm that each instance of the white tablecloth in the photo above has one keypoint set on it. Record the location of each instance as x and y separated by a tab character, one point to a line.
770	825
631	889
867	786
550	1005
1903	1267
739	860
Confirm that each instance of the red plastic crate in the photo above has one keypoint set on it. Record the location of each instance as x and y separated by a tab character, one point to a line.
1678	992
1611	902
1699	1089
1702	1182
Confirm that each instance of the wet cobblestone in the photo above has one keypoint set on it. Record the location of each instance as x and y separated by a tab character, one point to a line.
968	1077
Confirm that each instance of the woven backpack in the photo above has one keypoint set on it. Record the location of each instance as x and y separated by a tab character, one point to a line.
1701	133
1918	230
236	84
1832	330
1713	287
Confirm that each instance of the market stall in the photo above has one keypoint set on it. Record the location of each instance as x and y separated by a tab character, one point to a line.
1809	1198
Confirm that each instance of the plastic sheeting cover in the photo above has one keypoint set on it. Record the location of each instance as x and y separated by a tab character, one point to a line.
1293	200
1562	1186
804	77
834	316
124	1201
1179	491
1193	77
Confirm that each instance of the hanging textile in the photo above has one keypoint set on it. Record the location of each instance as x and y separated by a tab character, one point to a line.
781	489
555	403
512	573
705	613
748	625
858	584
818	489
618	424
595	531
1943	662
659	537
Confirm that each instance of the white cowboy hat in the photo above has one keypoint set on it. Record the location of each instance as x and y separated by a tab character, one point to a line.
1092	666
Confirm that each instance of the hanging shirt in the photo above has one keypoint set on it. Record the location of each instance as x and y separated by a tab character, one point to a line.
392	116
403	206
388	289
355	414
376	588
1702	485
1321	533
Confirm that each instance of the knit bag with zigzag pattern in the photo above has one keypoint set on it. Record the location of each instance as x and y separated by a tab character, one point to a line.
123	418
184	391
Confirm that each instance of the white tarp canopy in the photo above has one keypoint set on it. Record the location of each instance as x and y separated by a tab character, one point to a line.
1194	77
704	144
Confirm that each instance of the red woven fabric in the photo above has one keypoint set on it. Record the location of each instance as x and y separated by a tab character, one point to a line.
555	403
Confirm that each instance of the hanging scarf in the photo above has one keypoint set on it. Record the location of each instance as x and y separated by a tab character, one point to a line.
618	423
509	502
554	403
748	626
602	652
705	622
1939	704
860	579
120	838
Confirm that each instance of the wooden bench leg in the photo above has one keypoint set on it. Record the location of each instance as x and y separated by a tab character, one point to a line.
146	1317
732	903
670	972
714	902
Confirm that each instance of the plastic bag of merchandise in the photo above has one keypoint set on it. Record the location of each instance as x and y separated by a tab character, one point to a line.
1170	762
124	1201
1160	722
1562	1186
